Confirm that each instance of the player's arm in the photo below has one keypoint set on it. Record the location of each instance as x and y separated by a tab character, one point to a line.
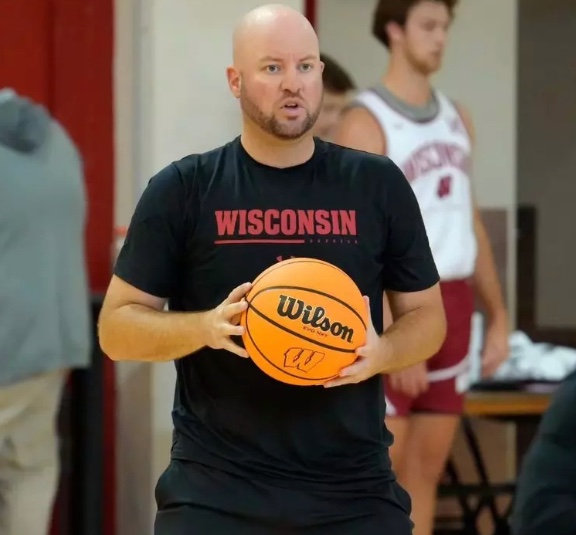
133	324
358	129
486	279
487	285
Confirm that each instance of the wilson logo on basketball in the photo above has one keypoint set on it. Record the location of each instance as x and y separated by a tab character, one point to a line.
302	359
313	318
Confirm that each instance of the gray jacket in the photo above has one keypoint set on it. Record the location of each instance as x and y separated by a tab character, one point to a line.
44	300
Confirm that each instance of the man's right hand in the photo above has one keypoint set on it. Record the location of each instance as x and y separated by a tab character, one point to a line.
222	322
411	381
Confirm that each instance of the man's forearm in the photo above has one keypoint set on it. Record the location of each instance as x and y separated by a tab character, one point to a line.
414	337
486	280
138	333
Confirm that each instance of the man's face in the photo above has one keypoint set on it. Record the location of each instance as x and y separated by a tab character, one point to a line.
279	82
423	39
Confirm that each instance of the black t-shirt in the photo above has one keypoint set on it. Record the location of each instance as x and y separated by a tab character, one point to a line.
209	222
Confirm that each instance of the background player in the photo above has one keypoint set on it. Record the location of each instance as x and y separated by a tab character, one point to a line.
430	138
251	455
338	89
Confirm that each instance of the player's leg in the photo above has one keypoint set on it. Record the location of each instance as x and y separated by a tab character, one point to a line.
436	413
428	446
422	443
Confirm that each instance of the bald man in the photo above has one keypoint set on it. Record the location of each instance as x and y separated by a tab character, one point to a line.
252	455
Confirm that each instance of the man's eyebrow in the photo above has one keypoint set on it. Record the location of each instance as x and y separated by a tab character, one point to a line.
280	60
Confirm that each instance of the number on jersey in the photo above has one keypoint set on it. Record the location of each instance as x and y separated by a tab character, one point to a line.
444	186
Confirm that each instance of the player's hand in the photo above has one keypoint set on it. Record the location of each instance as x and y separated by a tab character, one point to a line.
222	321
411	381
496	345
371	358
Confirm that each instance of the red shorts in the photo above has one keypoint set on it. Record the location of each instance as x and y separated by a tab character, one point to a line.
446	368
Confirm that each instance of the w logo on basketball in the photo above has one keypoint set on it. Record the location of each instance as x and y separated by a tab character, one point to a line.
302	359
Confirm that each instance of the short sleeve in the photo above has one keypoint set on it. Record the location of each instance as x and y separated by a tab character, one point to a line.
408	262
151	255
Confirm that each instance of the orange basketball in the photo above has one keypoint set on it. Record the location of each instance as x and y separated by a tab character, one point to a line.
304	322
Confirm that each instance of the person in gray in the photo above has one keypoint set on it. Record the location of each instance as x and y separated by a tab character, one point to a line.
44	305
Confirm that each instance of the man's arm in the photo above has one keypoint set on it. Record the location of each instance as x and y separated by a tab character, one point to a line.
419	329
134	326
415	336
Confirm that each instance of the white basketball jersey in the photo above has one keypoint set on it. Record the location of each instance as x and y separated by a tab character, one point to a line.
435	156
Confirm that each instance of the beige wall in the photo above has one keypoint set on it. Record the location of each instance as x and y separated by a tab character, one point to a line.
547	149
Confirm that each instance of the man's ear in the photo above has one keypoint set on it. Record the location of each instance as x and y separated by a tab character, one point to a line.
234	80
394	31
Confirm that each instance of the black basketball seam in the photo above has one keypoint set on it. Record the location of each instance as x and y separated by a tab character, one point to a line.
269	320
295	261
311	291
277	367
298	261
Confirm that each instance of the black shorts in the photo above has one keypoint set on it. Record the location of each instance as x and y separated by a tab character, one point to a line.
193	520
195	500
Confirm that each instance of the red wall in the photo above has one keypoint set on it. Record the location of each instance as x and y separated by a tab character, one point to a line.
311	13
60	53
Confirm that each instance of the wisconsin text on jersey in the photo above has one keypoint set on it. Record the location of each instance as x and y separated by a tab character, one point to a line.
285	226
436	155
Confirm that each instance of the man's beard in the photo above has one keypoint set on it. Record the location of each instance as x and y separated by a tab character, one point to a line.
288	130
423	67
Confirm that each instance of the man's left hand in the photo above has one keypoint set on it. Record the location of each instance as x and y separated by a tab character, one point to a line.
496	345
371	357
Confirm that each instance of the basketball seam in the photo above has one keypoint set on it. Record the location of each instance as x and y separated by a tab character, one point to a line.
296	261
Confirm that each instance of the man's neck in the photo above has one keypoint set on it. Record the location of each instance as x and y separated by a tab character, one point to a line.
269	150
409	85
